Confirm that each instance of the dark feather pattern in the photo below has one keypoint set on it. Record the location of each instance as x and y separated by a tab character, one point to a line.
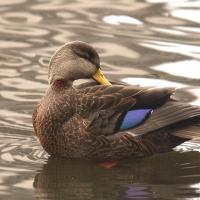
170	113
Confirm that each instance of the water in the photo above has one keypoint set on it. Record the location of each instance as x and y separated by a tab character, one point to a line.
140	42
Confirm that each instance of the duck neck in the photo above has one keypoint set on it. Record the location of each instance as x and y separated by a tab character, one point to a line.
61	84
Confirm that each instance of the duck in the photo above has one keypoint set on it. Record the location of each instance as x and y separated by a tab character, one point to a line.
106	120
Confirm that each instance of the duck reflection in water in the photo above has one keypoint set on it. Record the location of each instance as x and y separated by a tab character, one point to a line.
75	179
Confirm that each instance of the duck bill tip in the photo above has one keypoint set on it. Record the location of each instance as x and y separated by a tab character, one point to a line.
100	78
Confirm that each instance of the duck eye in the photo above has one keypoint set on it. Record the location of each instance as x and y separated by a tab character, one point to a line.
87	54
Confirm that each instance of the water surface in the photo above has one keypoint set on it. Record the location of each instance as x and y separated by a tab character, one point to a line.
148	42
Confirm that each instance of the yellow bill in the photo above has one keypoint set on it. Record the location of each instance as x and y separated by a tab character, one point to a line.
100	78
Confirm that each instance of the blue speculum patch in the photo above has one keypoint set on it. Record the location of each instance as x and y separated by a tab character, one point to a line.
134	117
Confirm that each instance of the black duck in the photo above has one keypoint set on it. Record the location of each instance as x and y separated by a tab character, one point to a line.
103	121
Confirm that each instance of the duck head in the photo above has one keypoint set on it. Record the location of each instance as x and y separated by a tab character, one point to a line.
75	60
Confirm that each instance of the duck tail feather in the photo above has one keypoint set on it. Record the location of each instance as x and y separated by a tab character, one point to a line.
187	129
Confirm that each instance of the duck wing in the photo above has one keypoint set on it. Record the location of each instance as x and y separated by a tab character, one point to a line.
169	114
94	83
109	109
156	115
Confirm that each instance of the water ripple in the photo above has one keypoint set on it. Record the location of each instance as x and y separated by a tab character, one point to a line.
152	42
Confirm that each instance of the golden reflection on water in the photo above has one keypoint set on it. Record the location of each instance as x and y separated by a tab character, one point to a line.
183	49
120	19
152	82
188	14
150	43
185	68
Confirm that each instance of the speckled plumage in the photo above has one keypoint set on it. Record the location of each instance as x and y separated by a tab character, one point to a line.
83	122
